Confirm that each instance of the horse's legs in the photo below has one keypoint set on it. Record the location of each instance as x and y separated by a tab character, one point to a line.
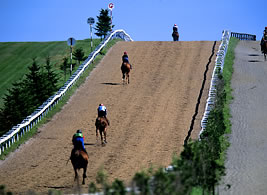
105	135
101	135
84	174
76	174
96	132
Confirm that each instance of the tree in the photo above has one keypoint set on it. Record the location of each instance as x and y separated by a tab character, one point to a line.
27	94
79	55
35	85
64	66
103	26
15	107
51	79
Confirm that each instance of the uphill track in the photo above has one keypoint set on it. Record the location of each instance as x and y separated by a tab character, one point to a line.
149	118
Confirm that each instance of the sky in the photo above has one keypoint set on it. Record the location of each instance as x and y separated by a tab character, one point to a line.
143	20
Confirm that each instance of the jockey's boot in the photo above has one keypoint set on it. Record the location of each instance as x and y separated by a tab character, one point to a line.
85	150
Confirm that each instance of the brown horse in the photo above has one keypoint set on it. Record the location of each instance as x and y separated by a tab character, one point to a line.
175	36
125	69
79	160
101	124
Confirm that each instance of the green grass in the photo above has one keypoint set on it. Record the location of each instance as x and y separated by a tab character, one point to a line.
16	57
59	106
227	75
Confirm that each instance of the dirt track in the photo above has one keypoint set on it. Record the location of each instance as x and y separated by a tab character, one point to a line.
149	118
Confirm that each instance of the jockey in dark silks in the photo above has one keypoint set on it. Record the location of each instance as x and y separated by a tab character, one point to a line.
175	28
78	141
125	58
263	40
175	33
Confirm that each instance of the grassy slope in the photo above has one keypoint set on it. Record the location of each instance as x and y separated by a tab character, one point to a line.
227	75
15	57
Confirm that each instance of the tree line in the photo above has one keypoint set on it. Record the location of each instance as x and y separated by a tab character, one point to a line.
27	94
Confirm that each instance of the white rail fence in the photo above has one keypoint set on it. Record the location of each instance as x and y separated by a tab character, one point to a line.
26	125
219	63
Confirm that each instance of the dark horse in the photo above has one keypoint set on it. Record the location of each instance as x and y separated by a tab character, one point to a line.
79	160
264	47
125	69
101	124
175	36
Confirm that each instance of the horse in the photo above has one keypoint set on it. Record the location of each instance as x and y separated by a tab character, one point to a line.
101	124
79	160
175	36
125	69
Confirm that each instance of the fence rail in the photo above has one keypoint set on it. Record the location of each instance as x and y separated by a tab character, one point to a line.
26	125
219	63
243	36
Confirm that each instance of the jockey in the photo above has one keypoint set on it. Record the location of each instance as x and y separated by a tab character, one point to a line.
78	141
175	28
264	38
102	110
265	34
125	58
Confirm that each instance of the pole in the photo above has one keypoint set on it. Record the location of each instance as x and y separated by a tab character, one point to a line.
91	37
70	59
111	19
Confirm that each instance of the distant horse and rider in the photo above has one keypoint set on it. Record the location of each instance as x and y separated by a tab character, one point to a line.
175	34
101	123
125	68
264	43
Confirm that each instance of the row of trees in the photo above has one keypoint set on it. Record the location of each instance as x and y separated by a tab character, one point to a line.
36	87
27	94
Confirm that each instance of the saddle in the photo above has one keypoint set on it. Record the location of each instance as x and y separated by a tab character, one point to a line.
101	120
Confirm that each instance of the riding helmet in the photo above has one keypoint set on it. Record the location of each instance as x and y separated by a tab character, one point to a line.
125	53
79	131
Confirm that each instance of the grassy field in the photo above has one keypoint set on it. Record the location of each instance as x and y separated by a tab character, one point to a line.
16	57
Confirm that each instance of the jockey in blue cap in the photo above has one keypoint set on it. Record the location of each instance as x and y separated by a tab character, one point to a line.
78	141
